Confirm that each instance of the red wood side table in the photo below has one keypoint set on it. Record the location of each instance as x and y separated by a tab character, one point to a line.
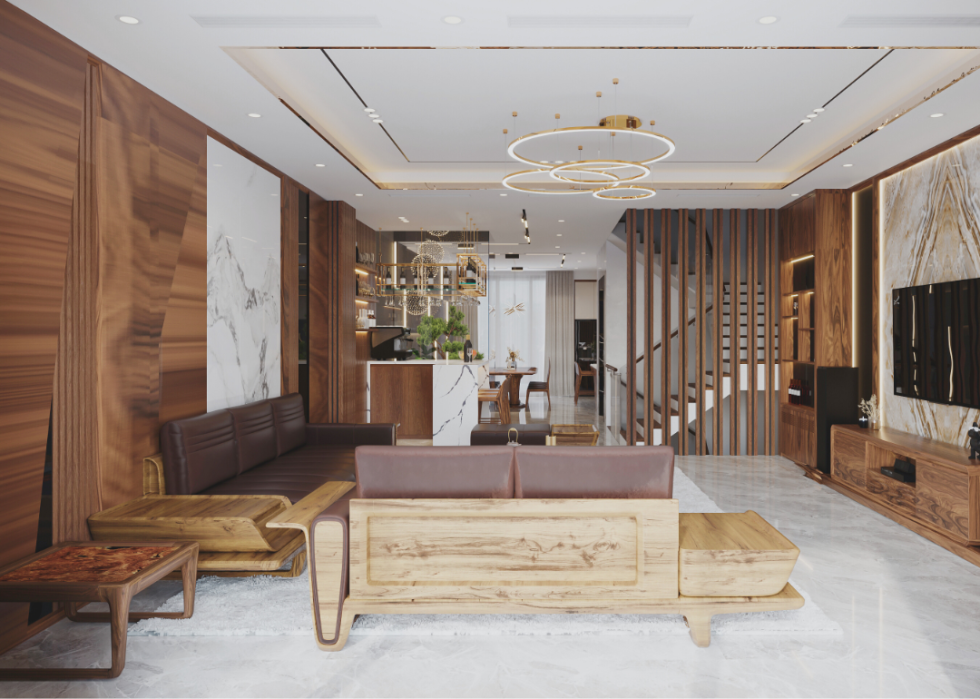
88	571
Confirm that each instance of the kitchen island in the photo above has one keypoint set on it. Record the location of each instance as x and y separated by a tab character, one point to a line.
428	399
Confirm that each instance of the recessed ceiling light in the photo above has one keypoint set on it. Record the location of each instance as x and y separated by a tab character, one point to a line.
768	20
126	19
368	109
581	253
320	165
818	110
254	115
378	121
374	115
936	115
216	165
559	162
273	194
811	116
503	194
559	235
452	20
848	164
358	195
561	220
794	195
804	121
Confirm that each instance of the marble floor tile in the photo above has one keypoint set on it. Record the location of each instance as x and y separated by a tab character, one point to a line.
910	612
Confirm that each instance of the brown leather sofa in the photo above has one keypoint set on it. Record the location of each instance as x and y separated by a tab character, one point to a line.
492	434
490	472
263	448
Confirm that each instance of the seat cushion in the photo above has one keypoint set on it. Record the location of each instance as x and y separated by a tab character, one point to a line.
295	475
198	452
255	430
290	422
434	472
533	385
594	472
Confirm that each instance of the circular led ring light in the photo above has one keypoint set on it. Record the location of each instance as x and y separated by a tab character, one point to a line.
642	193
599	167
512	148
528	190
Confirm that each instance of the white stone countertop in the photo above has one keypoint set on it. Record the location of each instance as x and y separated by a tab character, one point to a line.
442	362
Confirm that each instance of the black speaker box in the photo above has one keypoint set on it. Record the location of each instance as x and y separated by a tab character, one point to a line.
837	404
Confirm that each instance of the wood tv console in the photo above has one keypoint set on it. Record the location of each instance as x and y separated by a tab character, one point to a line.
943	504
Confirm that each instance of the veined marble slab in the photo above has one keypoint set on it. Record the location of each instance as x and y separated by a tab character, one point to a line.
930	233
244	280
455	406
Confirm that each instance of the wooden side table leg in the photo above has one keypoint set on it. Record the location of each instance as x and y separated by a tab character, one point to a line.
700	625
119	600
188	573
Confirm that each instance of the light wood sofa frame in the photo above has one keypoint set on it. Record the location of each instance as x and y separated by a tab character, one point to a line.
530	556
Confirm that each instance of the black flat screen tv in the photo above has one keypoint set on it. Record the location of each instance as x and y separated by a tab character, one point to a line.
936	342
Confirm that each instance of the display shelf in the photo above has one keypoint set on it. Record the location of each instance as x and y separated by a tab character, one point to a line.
366	269
366	299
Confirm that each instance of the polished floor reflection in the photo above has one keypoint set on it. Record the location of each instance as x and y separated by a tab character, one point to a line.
909	610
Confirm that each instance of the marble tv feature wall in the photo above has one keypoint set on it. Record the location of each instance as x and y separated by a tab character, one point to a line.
930	233
243	280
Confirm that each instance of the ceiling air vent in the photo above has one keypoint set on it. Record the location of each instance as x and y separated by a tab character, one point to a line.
599	22
287	22
516	269
910	21
512	256
493	256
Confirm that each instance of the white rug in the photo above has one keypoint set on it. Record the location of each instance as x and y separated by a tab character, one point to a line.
265	606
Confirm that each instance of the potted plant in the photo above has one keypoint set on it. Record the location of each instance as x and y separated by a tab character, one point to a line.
430	329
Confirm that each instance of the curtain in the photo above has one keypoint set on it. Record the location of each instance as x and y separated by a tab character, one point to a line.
559	342
524	328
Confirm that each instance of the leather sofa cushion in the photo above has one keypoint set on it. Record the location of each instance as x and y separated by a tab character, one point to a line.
434	472
255	430
290	422
594	472
199	452
489	434
295	475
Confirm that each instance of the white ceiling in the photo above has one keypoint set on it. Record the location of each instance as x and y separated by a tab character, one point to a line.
446	108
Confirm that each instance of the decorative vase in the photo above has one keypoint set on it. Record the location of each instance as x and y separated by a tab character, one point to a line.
874	424
511	364
863	421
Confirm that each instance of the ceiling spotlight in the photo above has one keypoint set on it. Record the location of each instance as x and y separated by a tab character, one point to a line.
792	195
936	115
358	195
378	121
452	20
811	116
559	235
368	110
558	247
818	110
561	220
320	165
373	115
254	115
848	165
581	253
768	20
503	194
804	121
126	19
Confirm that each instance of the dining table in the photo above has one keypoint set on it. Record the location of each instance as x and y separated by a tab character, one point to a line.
514	381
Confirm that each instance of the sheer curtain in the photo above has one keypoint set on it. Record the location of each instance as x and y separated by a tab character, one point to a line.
524	328
560	334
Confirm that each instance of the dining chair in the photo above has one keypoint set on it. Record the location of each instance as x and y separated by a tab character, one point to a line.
540	386
579	375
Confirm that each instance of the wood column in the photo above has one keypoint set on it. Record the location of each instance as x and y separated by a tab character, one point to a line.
630	327
752	332
683	233
649	308
666	402
332	354
717	359
699	364
735	343
771	313
875	284
289	289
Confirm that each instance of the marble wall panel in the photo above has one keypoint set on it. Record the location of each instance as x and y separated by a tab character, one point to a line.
930	233
243	280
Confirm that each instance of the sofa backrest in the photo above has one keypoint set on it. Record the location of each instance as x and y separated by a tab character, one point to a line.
255	430
594	472
290	420
199	452
434	472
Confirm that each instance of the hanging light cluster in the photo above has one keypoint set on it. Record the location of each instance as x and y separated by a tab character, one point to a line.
607	160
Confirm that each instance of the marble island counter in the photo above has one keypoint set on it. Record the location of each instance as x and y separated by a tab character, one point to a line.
429	399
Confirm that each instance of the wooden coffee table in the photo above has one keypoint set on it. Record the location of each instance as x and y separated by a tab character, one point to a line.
85	571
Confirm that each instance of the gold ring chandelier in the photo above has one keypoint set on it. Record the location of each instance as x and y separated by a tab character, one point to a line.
605	176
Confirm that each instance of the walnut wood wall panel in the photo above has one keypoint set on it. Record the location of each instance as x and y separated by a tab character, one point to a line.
735	332
771	314
700	267
390	384
833	264
649	309
875	281
666	402
42	84
717	359
335	395
752	332
631	326
289	288
683	236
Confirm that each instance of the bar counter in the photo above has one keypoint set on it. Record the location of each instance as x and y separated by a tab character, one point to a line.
429	399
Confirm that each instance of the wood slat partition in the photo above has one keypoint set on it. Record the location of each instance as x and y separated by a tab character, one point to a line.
717	360
735	320
683	233
752	332
649	259
334	393
631	327
699	363
666	410
875	281
289	296
771	313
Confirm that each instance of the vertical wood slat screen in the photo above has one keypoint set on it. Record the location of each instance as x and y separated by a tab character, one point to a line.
718	259
631	327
